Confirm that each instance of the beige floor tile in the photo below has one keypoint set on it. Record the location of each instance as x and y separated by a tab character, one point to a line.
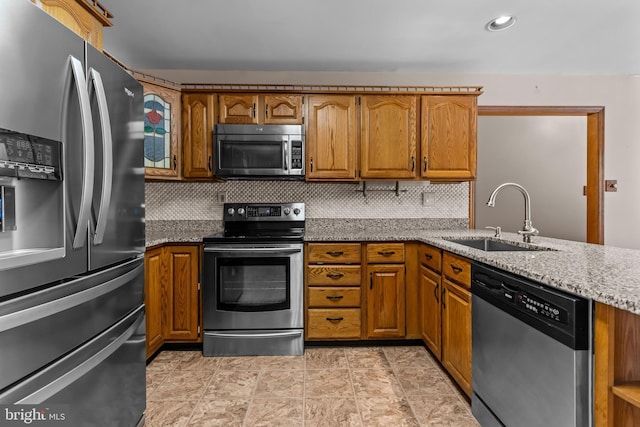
325	358
275	413
179	391
220	412
236	384
328	383
171	413
154	379
386	411
442	411
282	362
195	361
331	412
366	357
375	382
409	356
423	381
162	365
244	363
278	383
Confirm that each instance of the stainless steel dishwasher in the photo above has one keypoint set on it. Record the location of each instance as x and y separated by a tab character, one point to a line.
532	353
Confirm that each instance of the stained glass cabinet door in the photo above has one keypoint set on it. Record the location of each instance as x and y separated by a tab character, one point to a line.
161	132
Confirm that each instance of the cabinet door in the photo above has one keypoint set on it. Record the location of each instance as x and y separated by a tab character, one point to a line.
385	301
153	299
283	109
456	333
238	109
449	142
181	321
430	316
162	157
197	117
331	137
389	136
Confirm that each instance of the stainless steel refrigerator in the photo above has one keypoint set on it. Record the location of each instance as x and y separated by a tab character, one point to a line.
72	336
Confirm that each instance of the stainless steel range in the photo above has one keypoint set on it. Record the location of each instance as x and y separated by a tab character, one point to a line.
253	281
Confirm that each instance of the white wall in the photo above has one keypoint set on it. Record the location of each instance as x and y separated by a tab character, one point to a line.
620	95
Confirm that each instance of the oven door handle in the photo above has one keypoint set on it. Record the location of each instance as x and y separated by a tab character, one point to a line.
253	335
236	252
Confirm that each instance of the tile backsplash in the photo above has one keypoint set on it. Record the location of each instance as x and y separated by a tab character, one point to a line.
199	201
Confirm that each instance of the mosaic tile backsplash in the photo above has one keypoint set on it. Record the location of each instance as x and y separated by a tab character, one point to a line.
199	201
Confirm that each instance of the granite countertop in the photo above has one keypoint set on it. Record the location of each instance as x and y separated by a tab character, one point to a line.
606	274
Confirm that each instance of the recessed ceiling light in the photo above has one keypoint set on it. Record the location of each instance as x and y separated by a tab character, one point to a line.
501	23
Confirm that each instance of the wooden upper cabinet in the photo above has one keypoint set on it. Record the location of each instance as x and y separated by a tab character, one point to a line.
449	144
331	137
162	157
197	134
260	109
389	136
283	109
84	18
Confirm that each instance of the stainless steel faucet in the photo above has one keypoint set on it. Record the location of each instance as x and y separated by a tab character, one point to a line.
527	230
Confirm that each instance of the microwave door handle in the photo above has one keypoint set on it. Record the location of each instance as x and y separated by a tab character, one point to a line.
286	155
88	148
95	80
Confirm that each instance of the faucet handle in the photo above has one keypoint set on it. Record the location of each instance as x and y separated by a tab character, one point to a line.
498	231
527	233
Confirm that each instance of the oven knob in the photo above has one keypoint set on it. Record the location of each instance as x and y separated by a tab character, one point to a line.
231	211
287	211
240	211
296	211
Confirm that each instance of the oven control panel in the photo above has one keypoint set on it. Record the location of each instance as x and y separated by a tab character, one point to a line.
264	212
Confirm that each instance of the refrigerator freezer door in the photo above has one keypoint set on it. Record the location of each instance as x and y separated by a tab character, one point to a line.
117	231
40	98
42	326
101	383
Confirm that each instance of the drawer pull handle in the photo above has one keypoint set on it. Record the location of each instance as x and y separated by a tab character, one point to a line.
335	319
428	256
456	268
386	253
334	297
335	275
335	253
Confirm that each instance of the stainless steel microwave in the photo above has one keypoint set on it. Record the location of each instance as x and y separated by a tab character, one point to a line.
259	151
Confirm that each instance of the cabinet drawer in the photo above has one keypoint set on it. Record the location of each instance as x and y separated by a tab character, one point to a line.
333	275
334	253
456	268
334	297
385	252
431	257
334	323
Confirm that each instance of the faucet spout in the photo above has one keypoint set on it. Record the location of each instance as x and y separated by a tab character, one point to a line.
527	230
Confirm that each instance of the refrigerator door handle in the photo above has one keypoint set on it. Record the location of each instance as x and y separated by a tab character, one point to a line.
96	84
49	308
54	387
88	145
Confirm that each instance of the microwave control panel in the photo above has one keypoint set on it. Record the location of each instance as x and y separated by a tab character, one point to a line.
28	156
296	155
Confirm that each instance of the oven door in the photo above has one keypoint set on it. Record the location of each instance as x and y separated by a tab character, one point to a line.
251	286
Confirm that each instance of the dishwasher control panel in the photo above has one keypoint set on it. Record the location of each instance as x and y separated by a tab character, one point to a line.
542	308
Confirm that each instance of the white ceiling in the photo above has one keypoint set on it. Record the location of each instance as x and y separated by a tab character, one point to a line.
587	37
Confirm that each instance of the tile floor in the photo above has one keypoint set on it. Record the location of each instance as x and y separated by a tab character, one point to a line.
340	386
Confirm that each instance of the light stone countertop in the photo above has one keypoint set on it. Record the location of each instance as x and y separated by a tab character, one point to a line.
606	274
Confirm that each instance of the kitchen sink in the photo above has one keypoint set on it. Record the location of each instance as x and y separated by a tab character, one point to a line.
490	245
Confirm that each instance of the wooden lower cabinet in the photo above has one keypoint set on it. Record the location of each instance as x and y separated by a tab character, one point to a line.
456	333
172	295
385	301
153	299
430	315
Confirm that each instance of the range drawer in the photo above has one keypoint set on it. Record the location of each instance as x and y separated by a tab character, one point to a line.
456	268
334	275
384	253
334	297
334	323
431	257
334	253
